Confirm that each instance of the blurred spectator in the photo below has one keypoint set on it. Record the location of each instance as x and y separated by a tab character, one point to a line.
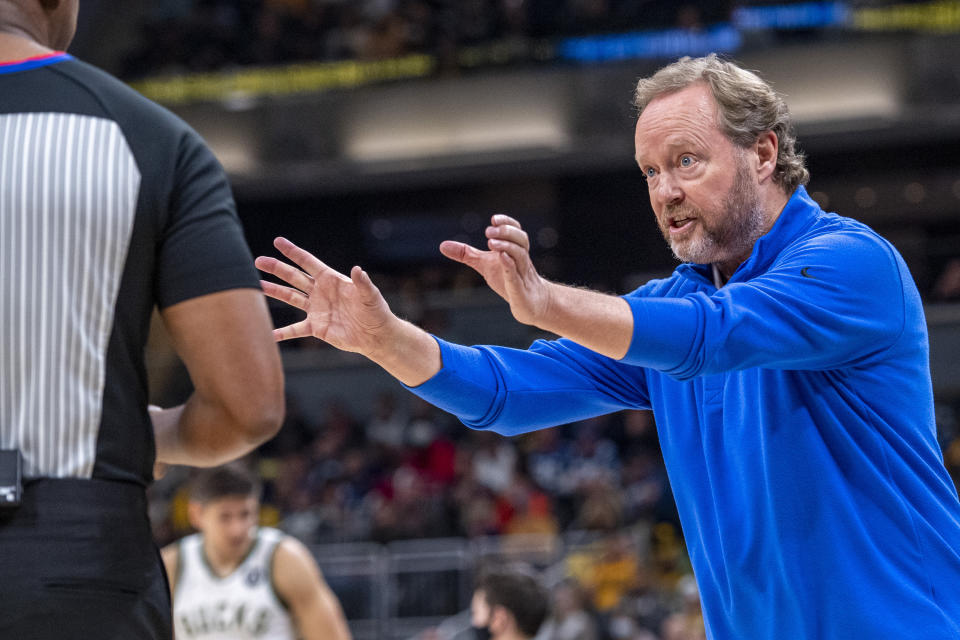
601	506
494	460
947	285
548	459
508	604
594	458
687	623
569	619
387	424
644	482
530	510
608	571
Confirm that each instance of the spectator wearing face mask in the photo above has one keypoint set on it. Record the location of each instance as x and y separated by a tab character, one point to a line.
508	604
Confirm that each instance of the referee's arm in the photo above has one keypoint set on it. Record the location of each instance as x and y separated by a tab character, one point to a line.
225	340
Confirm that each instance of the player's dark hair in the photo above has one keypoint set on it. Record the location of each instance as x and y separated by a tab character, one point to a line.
222	482
516	589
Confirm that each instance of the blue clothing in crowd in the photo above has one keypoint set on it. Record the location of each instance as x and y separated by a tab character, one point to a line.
795	413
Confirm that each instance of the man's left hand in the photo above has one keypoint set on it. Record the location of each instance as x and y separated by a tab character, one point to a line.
507	268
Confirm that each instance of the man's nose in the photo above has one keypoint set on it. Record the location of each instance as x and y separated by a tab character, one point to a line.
668	190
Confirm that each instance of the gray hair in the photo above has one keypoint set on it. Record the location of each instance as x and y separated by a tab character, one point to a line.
747	107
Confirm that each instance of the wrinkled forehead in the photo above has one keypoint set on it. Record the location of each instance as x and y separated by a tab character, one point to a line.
684	117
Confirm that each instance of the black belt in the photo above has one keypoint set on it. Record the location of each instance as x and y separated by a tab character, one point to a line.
52	500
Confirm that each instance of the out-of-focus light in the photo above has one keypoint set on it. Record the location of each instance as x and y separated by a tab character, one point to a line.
381	229
471	222
914	193
548	237
239	101
803	15
668	43
821	198
865	197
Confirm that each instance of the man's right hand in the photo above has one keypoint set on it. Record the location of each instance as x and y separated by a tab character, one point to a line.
348	313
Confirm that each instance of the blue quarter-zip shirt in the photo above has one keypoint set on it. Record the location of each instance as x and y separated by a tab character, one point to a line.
795	413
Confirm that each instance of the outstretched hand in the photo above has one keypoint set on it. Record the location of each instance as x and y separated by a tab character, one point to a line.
506	268
348	313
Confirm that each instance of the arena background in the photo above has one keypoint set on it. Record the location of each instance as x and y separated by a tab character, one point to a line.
370	130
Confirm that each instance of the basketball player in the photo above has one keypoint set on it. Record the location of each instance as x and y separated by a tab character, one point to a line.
234	580
110	207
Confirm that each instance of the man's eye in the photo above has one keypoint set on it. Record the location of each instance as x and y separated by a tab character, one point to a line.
649	172
686	161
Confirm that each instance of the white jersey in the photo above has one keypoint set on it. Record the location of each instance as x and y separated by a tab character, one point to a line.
240	606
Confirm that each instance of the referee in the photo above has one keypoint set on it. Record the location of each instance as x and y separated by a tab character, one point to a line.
109	206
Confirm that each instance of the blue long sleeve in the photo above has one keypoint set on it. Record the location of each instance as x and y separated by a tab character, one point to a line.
513	391
833	301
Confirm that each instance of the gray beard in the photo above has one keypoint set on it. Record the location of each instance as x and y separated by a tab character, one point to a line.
742	224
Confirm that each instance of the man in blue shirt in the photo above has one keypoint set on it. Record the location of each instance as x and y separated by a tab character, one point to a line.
786	364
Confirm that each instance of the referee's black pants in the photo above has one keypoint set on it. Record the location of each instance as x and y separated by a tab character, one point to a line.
78	562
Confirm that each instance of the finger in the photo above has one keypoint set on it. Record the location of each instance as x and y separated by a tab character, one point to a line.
285	294
306	260
511	275
298	330
285	272
510	263
461	252
520	256
510	234
368	291
504	219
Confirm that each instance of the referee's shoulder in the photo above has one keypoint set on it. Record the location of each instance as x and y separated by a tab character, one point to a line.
119	100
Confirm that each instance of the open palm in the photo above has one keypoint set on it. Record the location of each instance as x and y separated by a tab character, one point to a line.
348	313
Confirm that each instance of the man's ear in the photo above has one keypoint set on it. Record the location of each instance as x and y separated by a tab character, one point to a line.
767	148
500	620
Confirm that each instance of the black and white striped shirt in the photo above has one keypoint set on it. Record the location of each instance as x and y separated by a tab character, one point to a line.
109	205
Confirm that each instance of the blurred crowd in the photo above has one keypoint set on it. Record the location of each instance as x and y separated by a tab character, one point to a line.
205	35
412	472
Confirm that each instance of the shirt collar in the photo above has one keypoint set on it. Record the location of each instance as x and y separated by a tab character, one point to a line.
13	66
798	214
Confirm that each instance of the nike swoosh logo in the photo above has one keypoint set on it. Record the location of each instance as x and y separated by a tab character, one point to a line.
804	273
